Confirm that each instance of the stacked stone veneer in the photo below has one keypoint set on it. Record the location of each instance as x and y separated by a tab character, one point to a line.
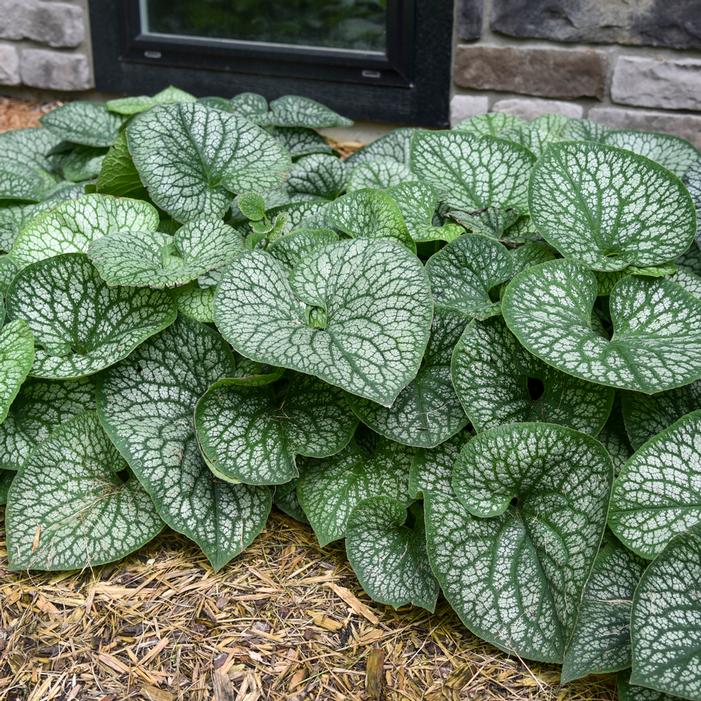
45	44
625	63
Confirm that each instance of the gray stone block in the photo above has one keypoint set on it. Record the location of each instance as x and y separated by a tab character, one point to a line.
649	82
55	70
569	73
688	126
673	23
9	65
465	106
469	19
532	108
57	24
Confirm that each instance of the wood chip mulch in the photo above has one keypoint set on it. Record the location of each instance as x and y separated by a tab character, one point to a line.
286	620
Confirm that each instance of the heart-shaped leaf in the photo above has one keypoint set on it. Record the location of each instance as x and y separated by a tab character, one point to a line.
585	130
320	175
513	547
28	147
426	412
153	259
196	301
601	640
666	620
38	409
297	111
669	151
539	133
658	492
549	309
16	358
369	214
432	469
291	250
23	182
191	158
146	404
388	553
72	225
646	415
252	434
499	382
608	208
86	123
465	272
473	173
81	325
249	105
328	490
69	508
140	103
378	173
530	254
376	307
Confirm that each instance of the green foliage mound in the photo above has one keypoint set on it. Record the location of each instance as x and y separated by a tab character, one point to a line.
473	354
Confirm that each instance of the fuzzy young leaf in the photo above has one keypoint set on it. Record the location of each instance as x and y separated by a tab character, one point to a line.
328	490
38	409
608	208
86	123
72	225
549	309
153	259
426	412
464	273
80	325
16	359
646	415
377	306
671	152
68	507
192	158
601	640
658	492
666	620
515	573
146	405
251	435
388	555
473	173
499	382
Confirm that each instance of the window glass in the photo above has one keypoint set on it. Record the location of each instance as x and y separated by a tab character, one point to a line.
339	24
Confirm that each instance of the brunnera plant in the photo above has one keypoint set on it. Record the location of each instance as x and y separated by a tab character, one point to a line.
474	355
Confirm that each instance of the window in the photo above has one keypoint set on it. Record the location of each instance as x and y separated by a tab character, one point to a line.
386	60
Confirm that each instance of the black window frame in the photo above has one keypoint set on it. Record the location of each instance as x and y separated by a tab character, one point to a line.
408	85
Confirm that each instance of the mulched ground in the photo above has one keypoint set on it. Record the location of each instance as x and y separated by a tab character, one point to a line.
286	620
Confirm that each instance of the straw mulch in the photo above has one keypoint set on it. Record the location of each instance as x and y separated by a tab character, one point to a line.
285	620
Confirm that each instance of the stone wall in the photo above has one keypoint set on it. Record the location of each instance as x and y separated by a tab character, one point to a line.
45	44
626	63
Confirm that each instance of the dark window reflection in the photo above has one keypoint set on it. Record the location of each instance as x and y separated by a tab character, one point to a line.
342	24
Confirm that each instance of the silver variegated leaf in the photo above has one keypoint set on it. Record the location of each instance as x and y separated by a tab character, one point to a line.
81	325
379	173
191	158
666	620
657	494
86	123
499	382
69	507
140	103
608	208
16	359
388	553
549	309
367	335
146	404
513	546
